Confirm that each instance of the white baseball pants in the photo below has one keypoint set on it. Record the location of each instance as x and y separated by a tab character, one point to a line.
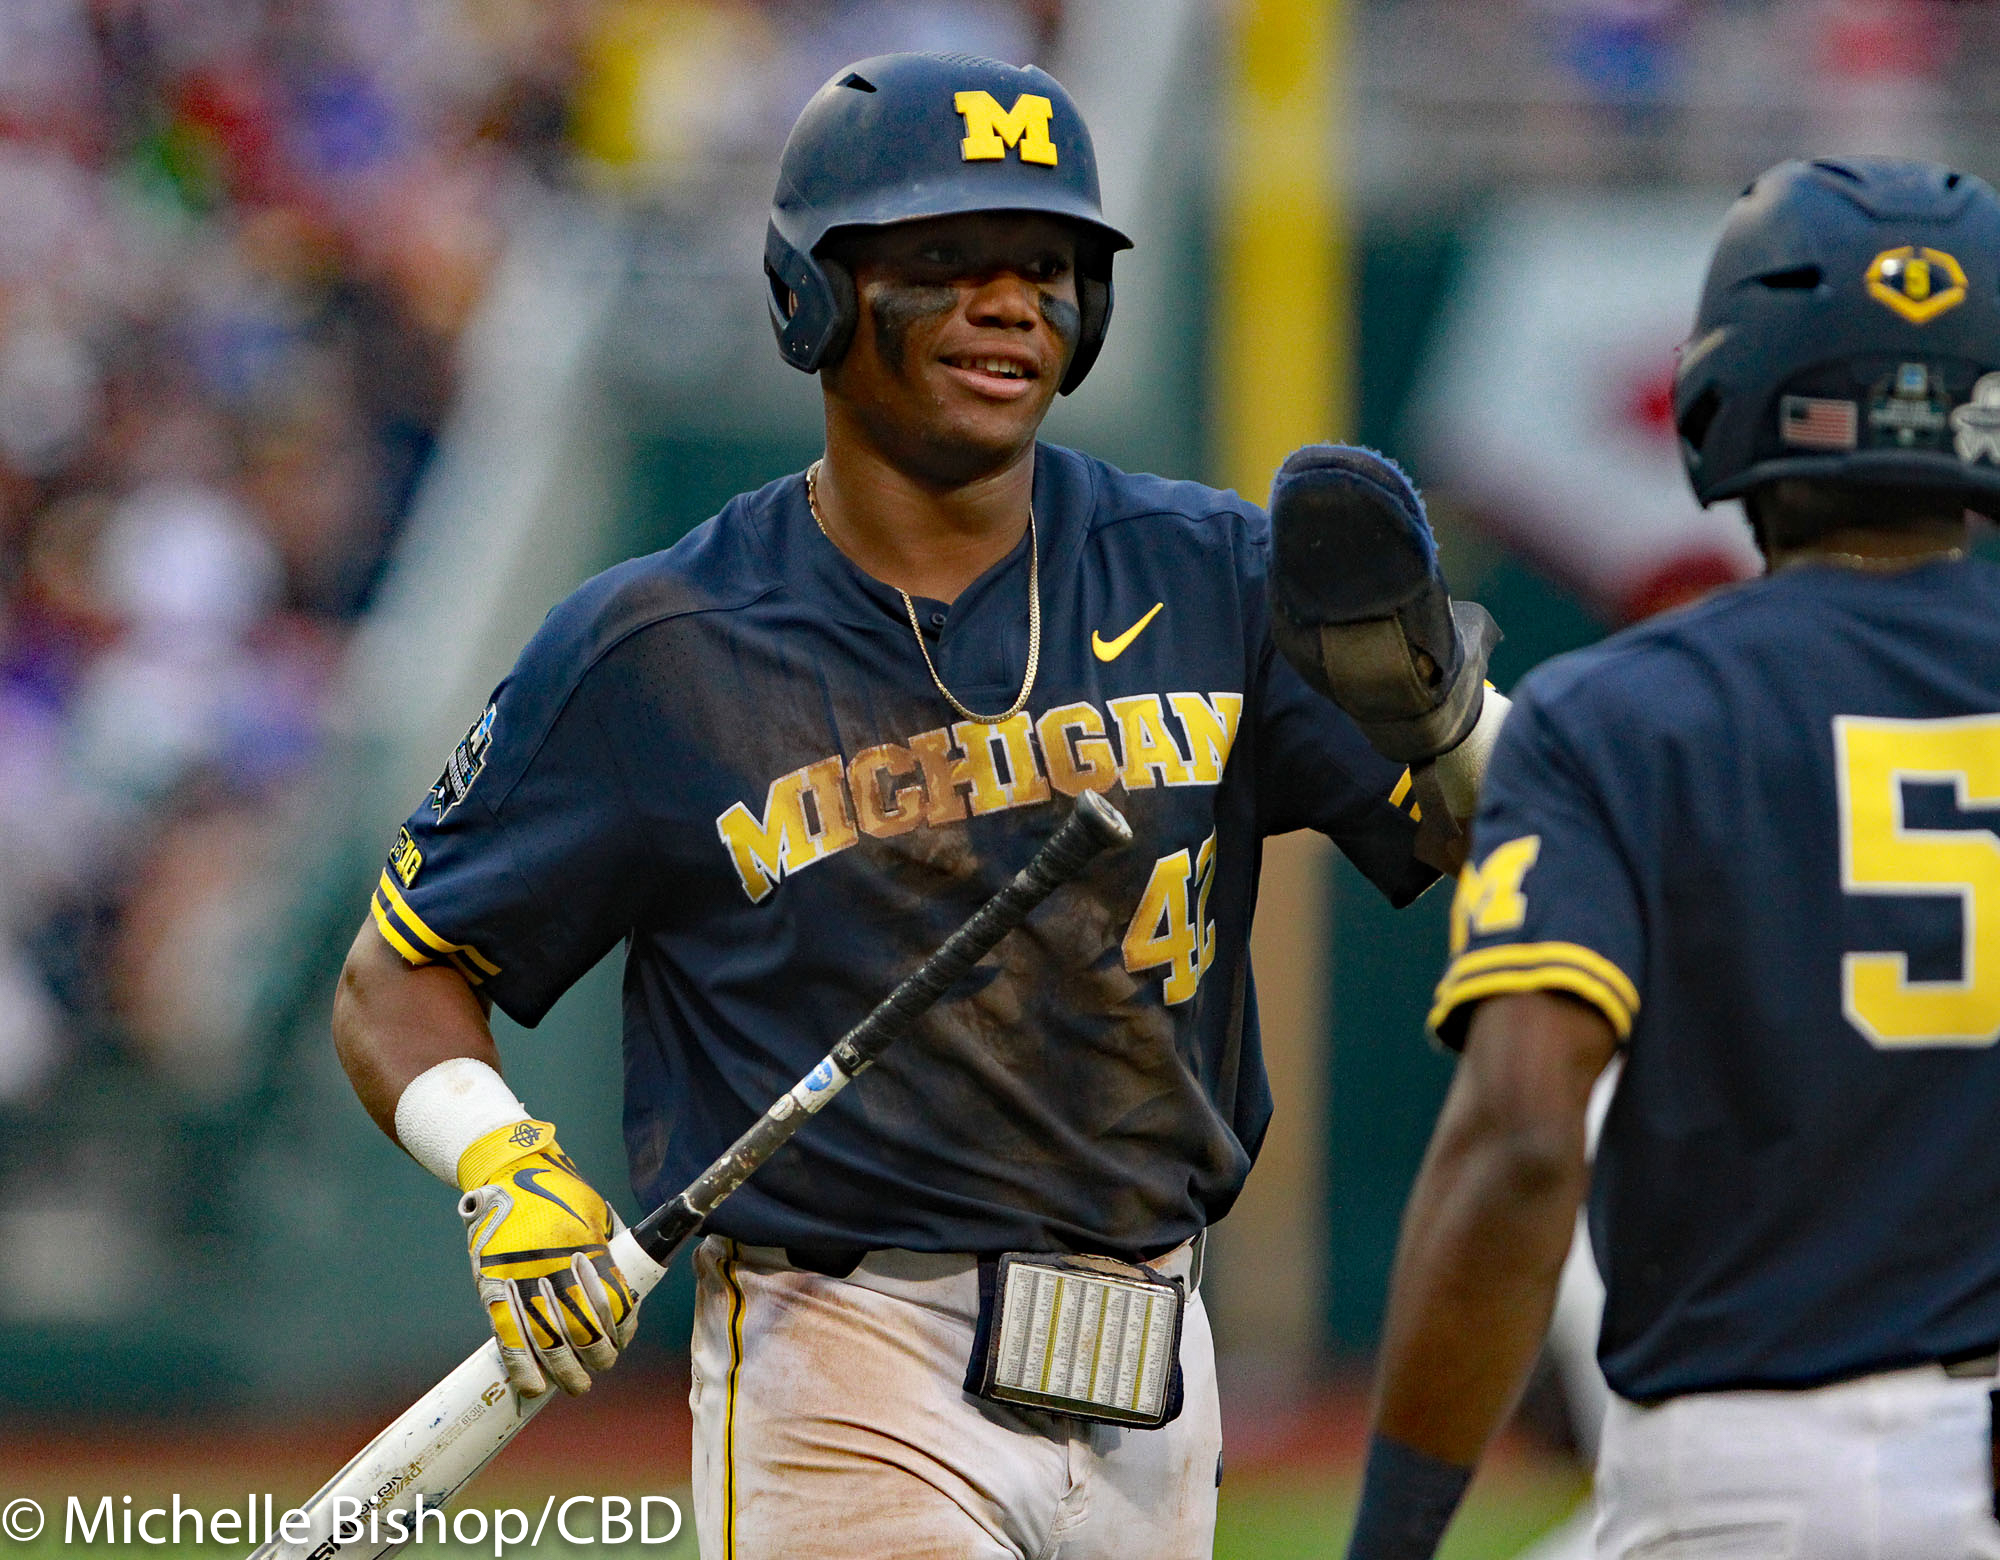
830	1419
1888	1467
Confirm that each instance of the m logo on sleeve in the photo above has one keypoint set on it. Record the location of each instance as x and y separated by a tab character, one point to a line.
1489	897
1492	902
991	129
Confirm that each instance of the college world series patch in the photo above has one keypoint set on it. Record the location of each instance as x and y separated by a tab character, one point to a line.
464	765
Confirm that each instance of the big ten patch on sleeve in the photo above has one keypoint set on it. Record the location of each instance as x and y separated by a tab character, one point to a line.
405	860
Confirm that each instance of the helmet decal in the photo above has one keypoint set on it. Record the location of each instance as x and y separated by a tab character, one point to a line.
1976	425
912	137
1815	422
1907	409
1850	319
1919	284
991	129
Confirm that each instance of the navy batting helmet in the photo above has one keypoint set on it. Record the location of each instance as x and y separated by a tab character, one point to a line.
906	136
1849	332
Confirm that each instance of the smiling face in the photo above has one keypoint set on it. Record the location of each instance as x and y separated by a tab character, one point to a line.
965	327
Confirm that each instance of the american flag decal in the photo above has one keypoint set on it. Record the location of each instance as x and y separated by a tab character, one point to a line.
1815	423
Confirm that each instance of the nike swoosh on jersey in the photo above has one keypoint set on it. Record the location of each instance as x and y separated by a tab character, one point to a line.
1111	650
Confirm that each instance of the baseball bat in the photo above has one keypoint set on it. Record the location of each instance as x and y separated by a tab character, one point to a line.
442	1441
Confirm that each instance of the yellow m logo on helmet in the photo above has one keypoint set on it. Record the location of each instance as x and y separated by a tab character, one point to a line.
991	129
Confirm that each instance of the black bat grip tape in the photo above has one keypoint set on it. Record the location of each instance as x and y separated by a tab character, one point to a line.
1092	827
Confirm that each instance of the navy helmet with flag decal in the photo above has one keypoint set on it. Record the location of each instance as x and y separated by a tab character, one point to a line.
1849	331
902	137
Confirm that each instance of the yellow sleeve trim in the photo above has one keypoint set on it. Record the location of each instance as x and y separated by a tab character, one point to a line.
1547	966
415	923
393	937
1402	790
1524	955
1552	977
412	955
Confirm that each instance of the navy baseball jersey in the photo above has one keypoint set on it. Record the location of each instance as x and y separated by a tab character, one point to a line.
732	756
1759	837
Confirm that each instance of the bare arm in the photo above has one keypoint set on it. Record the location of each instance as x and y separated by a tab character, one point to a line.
1489	1224
392	1021
1484	1237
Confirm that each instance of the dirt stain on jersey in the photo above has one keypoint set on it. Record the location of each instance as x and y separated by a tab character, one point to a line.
1051	1081
1051	1057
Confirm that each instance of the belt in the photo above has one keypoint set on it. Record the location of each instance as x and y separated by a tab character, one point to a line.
833	1261
1972	1366
841	1261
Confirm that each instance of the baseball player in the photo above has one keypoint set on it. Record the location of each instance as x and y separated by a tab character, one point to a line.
781	760
1752	846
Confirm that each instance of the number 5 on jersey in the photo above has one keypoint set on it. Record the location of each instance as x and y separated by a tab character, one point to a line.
1880	854
1171	928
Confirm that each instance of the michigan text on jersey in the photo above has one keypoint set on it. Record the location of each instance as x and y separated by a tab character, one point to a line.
971	768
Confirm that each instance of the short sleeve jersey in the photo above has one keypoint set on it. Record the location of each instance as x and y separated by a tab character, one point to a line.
732	757
1759	837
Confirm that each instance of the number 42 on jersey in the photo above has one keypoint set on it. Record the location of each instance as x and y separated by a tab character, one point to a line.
1171	930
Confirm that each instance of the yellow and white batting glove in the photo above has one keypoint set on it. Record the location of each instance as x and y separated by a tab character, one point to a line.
539	1237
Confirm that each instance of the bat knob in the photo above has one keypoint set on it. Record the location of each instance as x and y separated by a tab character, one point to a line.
1105	823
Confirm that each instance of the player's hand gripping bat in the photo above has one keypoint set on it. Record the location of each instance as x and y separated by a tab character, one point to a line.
454	1430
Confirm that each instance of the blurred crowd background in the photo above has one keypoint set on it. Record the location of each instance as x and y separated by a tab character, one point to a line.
238	241
1699	92
339	338
239	238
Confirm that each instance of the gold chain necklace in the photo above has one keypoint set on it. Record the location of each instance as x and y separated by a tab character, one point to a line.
1034	613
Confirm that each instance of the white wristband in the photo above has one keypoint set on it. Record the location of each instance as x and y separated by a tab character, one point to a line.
448	1108
1460	771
